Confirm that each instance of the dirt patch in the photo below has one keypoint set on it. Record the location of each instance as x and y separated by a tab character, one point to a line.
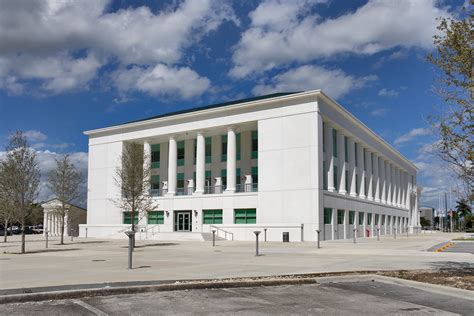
459	278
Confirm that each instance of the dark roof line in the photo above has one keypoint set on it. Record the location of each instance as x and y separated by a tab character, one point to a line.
212	106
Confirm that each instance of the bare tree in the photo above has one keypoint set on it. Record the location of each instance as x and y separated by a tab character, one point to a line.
64	182
20	180
6	208
133	177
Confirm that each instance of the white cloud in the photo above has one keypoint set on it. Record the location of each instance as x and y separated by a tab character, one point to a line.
35	136
379	112
162	80
63	44
283	32
388	93
414	133
334	82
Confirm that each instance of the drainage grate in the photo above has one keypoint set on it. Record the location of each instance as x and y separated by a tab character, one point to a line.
97	260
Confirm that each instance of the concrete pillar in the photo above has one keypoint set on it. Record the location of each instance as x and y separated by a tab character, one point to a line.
383	181
231	159
376	178
368	159
147	159
397	186
400	187
200	163
341	163
172	166
346	224
352	168
329	157
360	156
388	176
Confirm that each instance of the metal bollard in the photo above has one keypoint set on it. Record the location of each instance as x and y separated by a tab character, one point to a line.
72	234
256	242
394	233
265	234
355	235
317	232
213	238
86	232
378	233
302	232
130	234
47	234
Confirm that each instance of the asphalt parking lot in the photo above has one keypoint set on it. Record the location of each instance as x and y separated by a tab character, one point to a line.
341	297
461	247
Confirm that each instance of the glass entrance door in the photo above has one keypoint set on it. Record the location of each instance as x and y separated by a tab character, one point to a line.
182	221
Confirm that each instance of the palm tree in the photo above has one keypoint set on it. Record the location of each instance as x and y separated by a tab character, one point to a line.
463	209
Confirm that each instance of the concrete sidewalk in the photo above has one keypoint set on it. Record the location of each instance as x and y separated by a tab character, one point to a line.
87	261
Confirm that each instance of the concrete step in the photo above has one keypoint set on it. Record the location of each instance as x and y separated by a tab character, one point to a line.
208	237
177	236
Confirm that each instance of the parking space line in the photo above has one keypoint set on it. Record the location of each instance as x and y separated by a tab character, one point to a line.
90	308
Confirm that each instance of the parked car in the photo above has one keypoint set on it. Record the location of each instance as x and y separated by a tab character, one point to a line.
15	230
4	231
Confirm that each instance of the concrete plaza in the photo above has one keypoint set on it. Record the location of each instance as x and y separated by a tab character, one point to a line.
92	261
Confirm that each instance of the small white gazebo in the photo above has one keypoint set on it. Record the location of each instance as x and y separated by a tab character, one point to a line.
75	215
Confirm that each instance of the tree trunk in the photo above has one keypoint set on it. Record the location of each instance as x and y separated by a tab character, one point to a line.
23	236
62	228
6	231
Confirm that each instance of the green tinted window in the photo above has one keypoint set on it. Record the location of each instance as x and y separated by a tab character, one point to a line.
361	218
212	216
127	218
254	144
334	142
156	217
155	156
181	153
340	216
155	182
327	216
245	216
351	217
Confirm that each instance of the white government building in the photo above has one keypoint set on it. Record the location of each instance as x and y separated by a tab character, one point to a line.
286	163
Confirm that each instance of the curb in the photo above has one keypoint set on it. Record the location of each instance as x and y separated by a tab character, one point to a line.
440	249
59	295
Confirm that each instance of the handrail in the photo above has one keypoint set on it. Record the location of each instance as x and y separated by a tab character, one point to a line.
220	229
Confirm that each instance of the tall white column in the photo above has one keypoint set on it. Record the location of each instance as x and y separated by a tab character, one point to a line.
394	186
341	163
400	187
231	160
45	222
388	177
172	165
49	223
368	159
200	162
397	186
383	181
329	157
352	168
376	178
360	156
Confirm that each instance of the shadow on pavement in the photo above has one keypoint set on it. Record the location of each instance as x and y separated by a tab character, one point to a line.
154	245
41	251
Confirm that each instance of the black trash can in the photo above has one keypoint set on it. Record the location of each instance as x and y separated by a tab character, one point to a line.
286	237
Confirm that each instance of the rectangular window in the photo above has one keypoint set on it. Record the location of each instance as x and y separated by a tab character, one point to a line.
181	153
238	179
351	217
156	217
155	182
212	217
224	177
357	183
347	181
372	162
208	149
336	184
377	217
195	151
356	157
327	216
363	159
334	142
180	180
127	218
254	144
245	216
346	156
155	156
369	219
383	219
254	174
238	139
361	218
389	218
340	217
208	178
224	148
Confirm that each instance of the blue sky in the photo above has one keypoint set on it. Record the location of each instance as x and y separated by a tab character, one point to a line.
66	67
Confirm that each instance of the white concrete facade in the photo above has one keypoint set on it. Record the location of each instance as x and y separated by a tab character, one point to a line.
275	164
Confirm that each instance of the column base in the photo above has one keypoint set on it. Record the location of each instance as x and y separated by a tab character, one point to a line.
362	196
370	198
331	189
198	192
229	191
377	200
344	192
353	194
170	193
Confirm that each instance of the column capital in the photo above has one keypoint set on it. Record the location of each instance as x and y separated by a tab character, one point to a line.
231	128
